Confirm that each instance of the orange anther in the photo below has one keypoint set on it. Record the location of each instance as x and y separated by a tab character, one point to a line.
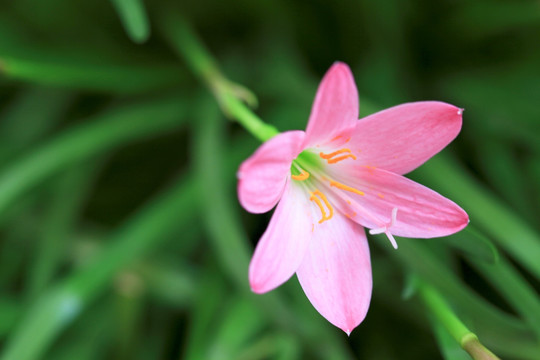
346	188
332	154
301	177
335	160
319	204
332	159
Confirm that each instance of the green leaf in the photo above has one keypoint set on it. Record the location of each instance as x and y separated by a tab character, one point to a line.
515	289
10	310
52	312
242	321
485	210
44	108
474	244
96	135
228	239
493	325
209	301
134	19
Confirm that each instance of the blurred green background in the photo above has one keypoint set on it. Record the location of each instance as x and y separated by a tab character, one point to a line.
120	233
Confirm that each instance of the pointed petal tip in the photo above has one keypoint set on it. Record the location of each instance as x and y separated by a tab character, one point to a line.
465	219
256	290
341	67
423	129
341	64
335	108
349	329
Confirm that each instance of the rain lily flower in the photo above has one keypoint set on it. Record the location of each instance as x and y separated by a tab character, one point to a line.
338	177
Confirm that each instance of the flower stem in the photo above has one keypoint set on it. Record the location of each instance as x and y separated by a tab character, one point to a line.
442	313
229	95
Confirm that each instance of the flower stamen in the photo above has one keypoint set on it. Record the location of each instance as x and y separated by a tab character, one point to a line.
331	159
346	188
319	204
304	175
338	159
386	229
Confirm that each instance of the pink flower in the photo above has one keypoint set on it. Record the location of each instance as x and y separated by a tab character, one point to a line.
339	176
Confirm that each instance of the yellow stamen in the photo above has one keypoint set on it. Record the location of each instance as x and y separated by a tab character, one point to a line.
346	188
338	159
301	177
319	204
331	155
332	159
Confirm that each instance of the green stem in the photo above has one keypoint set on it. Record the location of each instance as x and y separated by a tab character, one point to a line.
442	312
186	43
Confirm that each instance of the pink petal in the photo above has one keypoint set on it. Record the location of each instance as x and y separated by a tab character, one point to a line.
336	272
335	109
401	138
283	246
421	212
262	176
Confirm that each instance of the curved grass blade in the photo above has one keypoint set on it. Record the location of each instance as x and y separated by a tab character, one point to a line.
496	327
134	18
69	191
486	212
474	244
97	135
511	285
56	309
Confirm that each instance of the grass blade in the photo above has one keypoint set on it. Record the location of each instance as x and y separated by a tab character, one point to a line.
134	18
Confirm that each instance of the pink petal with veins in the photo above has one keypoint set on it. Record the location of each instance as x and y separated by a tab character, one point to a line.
283	246
421	212
403	137
262	177
336	272
335	109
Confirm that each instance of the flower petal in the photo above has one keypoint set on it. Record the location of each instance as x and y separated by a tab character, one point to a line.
336	272
262	176
421	212
401	138
284	243
335	109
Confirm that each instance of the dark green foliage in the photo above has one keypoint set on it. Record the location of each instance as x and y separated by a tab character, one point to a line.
121	236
